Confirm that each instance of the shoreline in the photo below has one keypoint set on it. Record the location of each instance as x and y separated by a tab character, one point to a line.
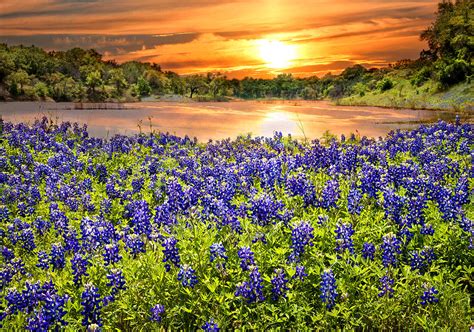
120	105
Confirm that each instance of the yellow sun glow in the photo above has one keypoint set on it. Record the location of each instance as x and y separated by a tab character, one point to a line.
276	54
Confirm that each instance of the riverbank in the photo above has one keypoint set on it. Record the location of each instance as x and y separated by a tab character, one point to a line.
459	98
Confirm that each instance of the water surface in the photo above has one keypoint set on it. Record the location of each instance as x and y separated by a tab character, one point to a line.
214	120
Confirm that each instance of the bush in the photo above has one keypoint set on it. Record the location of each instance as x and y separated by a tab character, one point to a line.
454	73
385	84
423	75
41	89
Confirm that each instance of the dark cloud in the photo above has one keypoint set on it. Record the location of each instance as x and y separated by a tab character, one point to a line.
392	55
113	44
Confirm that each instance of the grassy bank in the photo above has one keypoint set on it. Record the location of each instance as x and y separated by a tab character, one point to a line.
403	94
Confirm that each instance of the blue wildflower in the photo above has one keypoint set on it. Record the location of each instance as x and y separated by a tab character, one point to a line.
156	311
429	296
246	258
344	234
368	251
328	289
91	304
210	326
301	236
386	286
279	283
187	276
170	252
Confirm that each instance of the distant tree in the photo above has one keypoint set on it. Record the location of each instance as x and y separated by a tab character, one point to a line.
117	79
143	87
16	82
217	85
194	83
41	89
159	83
7	64
94	81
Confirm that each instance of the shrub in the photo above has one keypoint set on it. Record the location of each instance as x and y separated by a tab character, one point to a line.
453	73
385	84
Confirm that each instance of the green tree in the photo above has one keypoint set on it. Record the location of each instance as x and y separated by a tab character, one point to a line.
117	79
194	83
451	34
16	82
94	81
159	83
217	85
142	87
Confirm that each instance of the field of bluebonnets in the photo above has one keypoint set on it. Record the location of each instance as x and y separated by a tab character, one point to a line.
155	231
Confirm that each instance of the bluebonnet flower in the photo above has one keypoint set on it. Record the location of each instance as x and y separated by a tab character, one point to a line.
279	283
246	258
170	252
187	276
116	283
106	206
251	290
344	234
300	272
7	254
368	251
17	266
156	311
322	219
79	265
96	233
42	226
328	289
259	236
330	194
301	236
421	260
218	253
385	287
51	313
92	305
27	239
137	184
141	217
390	250
134	244
210	326
427	230
70	239
353	200
429	296
43	260
300	185
57	259
264	209
111	254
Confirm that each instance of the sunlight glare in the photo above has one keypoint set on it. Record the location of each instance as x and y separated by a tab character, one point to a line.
276	54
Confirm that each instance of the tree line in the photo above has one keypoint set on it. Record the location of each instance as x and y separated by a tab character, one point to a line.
31	73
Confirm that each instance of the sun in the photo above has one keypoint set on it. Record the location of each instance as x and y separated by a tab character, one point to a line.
276	54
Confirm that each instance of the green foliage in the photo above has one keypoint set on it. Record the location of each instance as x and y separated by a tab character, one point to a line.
453	72
422	76
142	87
385	84
41	89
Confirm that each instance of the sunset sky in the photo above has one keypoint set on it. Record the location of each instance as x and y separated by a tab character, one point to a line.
237	37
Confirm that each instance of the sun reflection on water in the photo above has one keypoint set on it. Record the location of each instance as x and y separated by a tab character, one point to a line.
278	121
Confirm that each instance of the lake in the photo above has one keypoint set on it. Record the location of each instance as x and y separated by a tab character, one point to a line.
219	120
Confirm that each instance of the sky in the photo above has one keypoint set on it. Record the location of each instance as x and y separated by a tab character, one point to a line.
236	37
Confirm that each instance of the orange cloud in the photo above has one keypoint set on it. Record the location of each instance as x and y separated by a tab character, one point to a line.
205	35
